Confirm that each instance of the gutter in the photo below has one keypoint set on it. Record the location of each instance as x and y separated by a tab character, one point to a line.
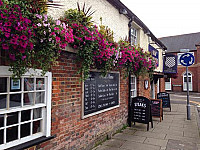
130	15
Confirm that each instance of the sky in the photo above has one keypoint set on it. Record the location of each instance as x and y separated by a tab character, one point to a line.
167	17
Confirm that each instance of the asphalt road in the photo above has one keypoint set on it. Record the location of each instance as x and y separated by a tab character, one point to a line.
181	98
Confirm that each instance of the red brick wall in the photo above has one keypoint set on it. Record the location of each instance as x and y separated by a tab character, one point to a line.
70	130
141	91
162	85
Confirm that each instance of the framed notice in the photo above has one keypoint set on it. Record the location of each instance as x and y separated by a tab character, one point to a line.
15	84
100	93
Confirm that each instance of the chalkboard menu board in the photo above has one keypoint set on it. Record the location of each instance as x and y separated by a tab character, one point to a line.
156	108
100	92
165	99
141	109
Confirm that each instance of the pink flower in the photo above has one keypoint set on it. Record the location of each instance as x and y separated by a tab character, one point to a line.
1	3
57	39
2	16
5	46
23	57
13	41
23	44
22	50
7	34
12	56
23	37
56	28
31	45
8	24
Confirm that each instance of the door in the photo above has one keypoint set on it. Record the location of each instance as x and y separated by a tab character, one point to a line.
168	85
189	81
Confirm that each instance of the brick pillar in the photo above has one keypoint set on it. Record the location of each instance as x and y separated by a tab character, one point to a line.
162	84
198	65
141	91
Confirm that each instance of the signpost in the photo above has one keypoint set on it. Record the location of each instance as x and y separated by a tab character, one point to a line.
187	59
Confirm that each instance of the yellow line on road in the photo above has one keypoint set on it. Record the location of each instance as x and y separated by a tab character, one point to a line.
198	103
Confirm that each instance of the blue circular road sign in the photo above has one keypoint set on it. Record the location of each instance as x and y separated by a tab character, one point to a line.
187	59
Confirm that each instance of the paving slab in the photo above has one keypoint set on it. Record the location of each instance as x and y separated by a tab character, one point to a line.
138	146
180	145
127	137
175	132
157	142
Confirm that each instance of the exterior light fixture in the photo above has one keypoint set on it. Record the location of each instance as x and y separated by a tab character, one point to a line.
123	11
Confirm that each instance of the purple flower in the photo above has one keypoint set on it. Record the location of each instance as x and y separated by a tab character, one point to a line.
38	16
39	25
58	22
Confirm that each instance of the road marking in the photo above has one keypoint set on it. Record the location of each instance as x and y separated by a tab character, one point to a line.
198	103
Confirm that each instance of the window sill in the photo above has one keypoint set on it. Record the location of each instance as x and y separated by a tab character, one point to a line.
31	143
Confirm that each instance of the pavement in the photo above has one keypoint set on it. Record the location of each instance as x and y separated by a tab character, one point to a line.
174	132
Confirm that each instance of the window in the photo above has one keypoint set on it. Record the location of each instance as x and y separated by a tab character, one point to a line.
133	84
179	55
133	36
24	105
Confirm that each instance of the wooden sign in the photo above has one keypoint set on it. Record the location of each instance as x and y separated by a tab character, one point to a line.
156	108
165	99
141	111
100	92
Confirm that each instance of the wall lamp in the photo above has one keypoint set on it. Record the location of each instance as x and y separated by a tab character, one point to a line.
123	11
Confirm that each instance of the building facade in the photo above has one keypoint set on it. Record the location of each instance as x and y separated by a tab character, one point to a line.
49	112
174	45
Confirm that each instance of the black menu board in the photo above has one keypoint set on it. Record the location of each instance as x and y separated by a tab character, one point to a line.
165	99
141	110
156	107
100	92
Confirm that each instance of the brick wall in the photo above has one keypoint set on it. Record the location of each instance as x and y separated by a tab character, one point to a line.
141	91
70	130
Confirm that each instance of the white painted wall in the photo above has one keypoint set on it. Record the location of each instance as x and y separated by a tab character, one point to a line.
110	15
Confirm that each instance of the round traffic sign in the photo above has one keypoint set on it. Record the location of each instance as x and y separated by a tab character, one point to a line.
187	59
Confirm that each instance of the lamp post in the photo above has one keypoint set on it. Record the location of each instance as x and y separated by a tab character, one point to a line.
188	101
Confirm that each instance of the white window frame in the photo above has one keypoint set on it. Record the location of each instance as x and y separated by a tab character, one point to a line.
170	83
133	36
134	89
179	55
185	83
46	108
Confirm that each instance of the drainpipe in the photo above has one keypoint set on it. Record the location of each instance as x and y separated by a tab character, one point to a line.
129	85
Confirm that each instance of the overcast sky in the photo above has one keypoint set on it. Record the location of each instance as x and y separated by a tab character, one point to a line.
167	17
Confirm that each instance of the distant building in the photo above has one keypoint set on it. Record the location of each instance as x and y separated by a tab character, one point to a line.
174	44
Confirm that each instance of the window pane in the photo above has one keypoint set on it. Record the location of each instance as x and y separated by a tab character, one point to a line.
15	100
185	79
3	101
25	129
11	133
39	97
40	85
28	98
1	120
25	115
1	136
36	126
37	113
3	85
12	118
15	85
28	84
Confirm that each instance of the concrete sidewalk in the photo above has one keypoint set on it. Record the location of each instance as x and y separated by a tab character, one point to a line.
175	132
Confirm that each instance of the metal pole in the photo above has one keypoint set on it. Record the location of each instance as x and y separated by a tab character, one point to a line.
188	101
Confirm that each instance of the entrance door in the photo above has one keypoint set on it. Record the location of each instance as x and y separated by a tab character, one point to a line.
168	85
189	81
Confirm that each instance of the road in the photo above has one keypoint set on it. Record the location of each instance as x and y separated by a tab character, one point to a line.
181	97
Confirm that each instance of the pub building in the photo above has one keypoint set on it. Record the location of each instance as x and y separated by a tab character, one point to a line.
57	111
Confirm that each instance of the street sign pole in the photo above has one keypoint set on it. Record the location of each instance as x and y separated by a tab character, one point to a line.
187	59
188	101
